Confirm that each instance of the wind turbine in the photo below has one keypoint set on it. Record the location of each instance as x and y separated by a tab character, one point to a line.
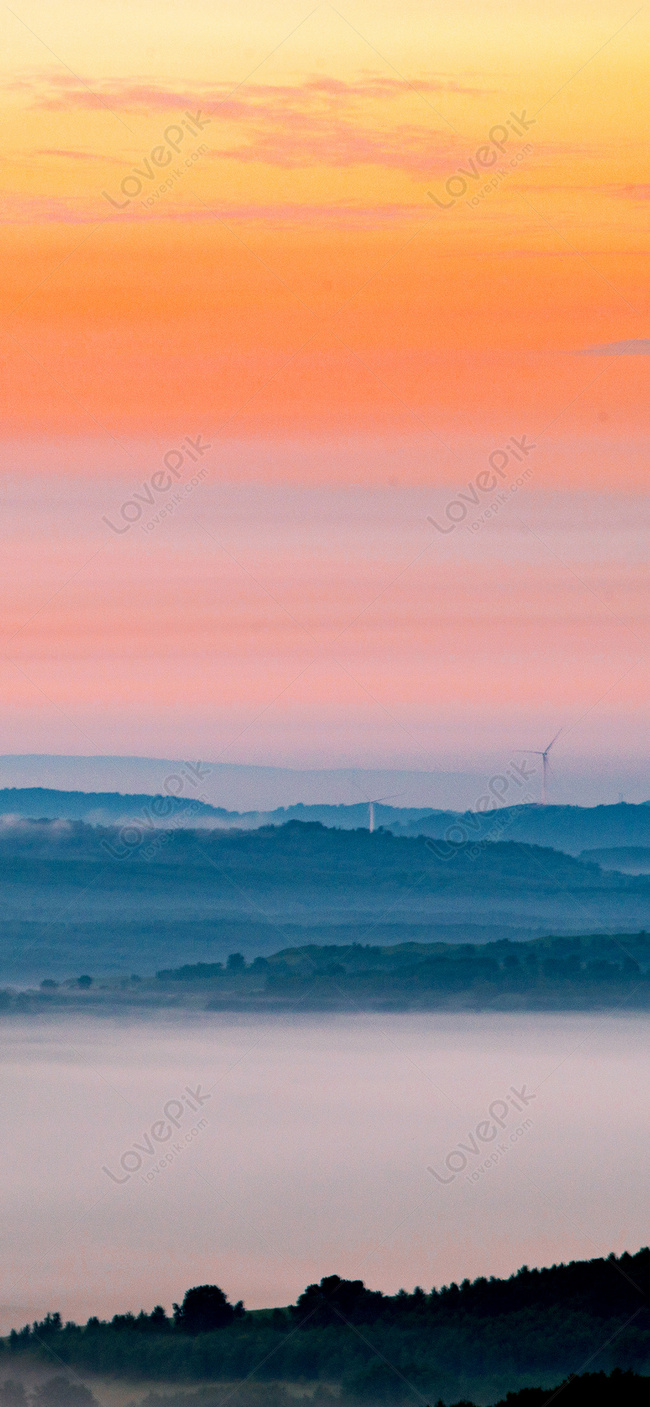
375	802
535	752
371	808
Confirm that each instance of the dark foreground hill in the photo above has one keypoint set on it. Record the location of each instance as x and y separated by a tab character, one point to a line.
475	1340
616	1389
82	898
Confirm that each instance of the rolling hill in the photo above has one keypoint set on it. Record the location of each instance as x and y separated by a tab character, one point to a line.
79	897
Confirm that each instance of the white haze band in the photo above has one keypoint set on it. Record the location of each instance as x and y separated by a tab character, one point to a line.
160	1132
486	1131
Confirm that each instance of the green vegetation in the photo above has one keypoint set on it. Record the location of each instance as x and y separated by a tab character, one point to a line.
100	894
599	969
556	973
475	1339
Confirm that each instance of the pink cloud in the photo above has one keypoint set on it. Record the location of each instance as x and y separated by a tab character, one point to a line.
70	155
636	192
322	121
19	209
302	141
46	89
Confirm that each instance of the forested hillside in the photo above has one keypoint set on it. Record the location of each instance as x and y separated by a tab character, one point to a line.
484	1337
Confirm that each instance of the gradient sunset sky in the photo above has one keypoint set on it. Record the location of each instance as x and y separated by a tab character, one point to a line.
364	253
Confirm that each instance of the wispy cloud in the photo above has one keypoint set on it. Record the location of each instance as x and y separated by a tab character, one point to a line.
69	155
631	347
304	140
60	91
635	192
322	121
21	209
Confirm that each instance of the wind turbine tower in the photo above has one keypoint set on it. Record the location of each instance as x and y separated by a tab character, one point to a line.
535	752
371	808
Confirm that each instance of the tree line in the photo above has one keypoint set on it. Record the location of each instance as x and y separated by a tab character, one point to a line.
483	1335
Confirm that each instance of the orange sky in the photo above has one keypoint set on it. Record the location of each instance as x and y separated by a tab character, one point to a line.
358	248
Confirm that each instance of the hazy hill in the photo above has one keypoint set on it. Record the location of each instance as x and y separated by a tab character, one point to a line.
248	787
245	787
83	897
629	859
542	974
157	810
574	829
570	828
108	808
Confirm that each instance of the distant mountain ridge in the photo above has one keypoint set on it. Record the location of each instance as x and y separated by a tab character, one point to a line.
243	786
572	829
250	787
627	859
113	808
105	808
88	897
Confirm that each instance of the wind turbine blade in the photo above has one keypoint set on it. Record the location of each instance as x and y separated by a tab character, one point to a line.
554	740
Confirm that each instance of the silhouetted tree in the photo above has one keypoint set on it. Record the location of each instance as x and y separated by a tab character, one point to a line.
337	1301
205	1308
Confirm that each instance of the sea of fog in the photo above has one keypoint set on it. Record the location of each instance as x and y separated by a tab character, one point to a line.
124	1184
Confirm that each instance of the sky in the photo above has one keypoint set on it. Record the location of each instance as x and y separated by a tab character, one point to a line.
325	352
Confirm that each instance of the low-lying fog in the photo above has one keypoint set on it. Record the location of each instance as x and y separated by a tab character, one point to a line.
124	1185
